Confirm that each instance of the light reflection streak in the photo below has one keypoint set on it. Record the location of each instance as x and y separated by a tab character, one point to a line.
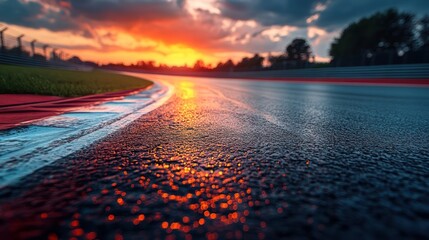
203	185
186	90
212	191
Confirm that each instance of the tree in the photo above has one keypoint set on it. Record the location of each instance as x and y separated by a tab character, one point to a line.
199	65
250	64
278	62
228	66
424	31
75	60
146	65
384	31
299	50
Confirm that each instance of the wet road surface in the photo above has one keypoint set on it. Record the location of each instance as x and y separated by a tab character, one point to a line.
228	159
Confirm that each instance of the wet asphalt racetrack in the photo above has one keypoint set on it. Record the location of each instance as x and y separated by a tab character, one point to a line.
230	159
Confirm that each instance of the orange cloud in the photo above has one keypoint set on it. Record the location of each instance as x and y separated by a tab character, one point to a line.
173	32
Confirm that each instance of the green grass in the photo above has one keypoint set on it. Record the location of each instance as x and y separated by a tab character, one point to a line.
64	83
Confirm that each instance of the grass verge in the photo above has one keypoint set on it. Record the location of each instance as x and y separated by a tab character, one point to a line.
64	83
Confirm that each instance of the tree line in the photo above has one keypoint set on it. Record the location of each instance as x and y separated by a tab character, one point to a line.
388	37
297	55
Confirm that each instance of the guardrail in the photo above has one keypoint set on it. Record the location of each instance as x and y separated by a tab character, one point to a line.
16	49
403	71
31	61
380	71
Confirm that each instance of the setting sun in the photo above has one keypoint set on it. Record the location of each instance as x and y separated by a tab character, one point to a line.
214	119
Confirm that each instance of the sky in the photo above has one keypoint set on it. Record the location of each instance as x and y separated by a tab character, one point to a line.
178	32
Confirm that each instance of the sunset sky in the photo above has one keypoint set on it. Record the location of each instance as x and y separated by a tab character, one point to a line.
178	32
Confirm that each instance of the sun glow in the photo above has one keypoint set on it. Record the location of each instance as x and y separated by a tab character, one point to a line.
115	46
186	90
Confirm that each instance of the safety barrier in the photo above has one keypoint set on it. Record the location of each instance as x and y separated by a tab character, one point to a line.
381	71
15	49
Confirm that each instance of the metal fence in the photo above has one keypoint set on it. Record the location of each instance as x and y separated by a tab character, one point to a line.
407	71
18	49
381	71
386	57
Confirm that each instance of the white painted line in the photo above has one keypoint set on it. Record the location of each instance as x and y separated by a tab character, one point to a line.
25	150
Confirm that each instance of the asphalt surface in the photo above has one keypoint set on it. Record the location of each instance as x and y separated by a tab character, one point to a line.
229	159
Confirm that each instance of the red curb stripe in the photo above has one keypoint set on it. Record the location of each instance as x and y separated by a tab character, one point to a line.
14	115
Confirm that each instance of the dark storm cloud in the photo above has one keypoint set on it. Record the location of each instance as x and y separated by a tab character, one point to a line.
33	14
73	14
295	13
76	14
127	11
169	22
341	12
273	12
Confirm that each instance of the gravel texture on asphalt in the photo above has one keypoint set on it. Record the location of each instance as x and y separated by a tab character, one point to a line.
232	159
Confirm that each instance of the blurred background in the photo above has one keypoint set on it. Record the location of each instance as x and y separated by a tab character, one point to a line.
214	35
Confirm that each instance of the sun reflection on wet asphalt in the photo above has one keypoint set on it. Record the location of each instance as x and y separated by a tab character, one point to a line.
203	167
186	90
201	188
